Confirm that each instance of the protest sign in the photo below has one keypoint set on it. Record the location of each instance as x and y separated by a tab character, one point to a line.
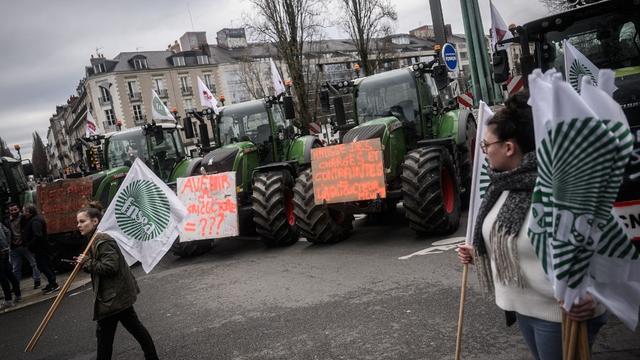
348	172
211	204
59	202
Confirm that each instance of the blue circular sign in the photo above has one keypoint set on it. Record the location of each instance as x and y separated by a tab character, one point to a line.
450	56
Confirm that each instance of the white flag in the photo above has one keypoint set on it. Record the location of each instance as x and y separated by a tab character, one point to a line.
480	179
144	217
206	97
158	110
576	65
92	127
278	85
499	29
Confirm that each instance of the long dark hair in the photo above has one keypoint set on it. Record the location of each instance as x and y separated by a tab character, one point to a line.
515	121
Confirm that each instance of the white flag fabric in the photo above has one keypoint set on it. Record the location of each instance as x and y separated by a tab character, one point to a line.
92	127
581	160
278	85
206	97
480	178
499	29
158	110
143	217
577	66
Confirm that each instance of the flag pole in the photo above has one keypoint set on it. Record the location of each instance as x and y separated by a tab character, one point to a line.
465	270
56	303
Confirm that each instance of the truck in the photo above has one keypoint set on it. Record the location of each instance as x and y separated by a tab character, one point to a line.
606	32
260	144
427	143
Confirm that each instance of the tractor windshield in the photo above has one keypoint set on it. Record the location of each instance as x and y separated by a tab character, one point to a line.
15	175
248	121
165	148
125	147
386	94
610	41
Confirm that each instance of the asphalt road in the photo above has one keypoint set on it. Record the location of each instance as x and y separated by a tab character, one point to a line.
365	298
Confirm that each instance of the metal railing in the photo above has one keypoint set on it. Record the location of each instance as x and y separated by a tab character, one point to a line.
162	93
104	100
136	96
186	91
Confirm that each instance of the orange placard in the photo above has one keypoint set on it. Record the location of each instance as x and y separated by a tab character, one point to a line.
348	172
60	201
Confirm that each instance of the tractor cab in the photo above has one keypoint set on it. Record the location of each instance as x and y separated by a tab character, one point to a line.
14	187
159	146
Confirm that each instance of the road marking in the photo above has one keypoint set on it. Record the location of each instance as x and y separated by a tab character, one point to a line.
79	292
437	247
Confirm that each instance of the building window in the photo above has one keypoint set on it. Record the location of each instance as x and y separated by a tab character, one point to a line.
188	104
178	61
140	63
202	59
111	118
105	95
100	68
133	87
463	55
158	85
210	85
137	114
184	82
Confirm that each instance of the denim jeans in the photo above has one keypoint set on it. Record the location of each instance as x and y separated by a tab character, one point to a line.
544	338
8	281
16	260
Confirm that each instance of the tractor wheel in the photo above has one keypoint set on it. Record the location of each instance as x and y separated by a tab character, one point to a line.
272	201
465	161
431	196
318	223
191	248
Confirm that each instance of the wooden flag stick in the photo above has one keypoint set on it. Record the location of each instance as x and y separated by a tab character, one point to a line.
573	339
565	335
56	303
584	352
465	271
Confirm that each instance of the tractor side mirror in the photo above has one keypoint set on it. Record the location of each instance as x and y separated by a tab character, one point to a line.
204	135
441	76
500	66
287	104
188	128
324	100
158	135
338	105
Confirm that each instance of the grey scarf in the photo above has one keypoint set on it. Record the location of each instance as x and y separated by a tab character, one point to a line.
519	182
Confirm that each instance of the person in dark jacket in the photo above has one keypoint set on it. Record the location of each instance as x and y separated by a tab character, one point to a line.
114	286
34	237
8	281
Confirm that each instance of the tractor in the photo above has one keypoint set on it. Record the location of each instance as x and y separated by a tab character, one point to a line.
14	187
426	143
259	143
606	32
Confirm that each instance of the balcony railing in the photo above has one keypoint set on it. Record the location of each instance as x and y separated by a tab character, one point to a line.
139	120
136	96
104	100
186	91
163	93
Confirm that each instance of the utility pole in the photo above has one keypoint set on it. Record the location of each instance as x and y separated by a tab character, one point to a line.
438	22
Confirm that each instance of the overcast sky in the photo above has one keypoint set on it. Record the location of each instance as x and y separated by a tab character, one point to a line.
45	45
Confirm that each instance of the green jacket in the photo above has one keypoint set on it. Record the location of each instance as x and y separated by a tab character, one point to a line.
114	286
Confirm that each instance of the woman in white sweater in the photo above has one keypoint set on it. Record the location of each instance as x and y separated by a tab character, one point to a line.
506	262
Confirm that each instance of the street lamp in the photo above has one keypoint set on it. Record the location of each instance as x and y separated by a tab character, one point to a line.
17	147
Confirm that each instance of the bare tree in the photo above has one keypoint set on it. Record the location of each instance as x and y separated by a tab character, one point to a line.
4	149
365	20
39	157
289	25
252	77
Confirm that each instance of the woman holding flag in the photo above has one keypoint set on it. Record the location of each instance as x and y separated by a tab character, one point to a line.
506	261
114	286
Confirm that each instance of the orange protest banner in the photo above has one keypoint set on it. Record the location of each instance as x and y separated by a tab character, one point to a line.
348	172
59	202
212	206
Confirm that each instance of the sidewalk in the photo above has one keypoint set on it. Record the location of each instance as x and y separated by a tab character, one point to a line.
32	296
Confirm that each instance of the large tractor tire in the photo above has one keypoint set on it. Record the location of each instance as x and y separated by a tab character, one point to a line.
465	161
430	191
318	223
272	202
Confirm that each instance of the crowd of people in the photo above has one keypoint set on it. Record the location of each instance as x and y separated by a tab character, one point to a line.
23	236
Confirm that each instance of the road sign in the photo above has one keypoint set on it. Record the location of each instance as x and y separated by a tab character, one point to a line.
450	56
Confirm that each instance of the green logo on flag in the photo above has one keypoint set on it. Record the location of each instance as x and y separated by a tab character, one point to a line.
159	107
142	210
576	72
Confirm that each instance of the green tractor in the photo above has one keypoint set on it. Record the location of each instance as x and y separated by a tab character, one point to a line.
606	32
14	187
260	144
426	142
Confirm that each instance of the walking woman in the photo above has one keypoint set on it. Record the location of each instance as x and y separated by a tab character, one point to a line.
505	259
114	287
